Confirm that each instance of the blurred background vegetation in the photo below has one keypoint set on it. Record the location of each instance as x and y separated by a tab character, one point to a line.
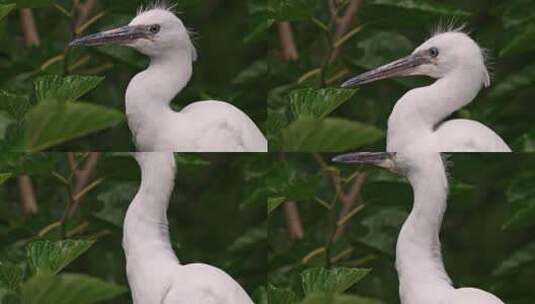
229	36
212	220
342	221
312	48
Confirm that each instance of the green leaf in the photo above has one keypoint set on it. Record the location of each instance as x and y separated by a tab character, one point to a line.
281	295
115	201
274	203
514	82
383	227
321	298
4	177
28	3
256	71
521	43
10	276
70	88
336	280
5	9
291	10
423	6
521	197
190	160
52	122
328	135
52	256
311	103
15	105
514	263
68	289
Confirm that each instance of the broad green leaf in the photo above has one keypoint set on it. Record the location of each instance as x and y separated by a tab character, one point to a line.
281	295
311	103
68	289
321	298
10	276
70	88
28	3
15	105
328	135
51	123
514	82
5	9
521	43
52	256
4	177
514	263
256	236
274	203
190	160
336	280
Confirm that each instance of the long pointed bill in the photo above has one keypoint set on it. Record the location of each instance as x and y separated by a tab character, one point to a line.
401	67
370	158
120	35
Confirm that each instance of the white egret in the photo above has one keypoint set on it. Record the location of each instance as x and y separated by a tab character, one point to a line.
422	276
205	126
155	274
418	119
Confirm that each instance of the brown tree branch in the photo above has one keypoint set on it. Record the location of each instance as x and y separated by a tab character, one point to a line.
29	29
293	220
343	24
289	48
27	195
82	177
84	11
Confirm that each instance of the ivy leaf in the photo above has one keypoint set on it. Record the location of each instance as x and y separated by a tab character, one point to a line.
328	135
311	103
67	289
52	256
52	122
70	88
336	280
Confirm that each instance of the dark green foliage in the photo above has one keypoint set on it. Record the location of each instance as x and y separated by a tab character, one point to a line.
487	237
49	257
386	30
40	86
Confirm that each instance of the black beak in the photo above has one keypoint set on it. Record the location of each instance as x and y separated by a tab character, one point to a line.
369	158
401	67
122	35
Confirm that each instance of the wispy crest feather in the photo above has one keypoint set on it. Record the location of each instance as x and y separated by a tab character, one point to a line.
158	4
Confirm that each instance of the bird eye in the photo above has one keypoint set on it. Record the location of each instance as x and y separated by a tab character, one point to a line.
155	28
434	52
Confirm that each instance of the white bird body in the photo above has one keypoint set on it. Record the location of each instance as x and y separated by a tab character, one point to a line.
418	120
207	126
422	275
154	273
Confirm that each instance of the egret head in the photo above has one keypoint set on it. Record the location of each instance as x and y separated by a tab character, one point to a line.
442	54
153	32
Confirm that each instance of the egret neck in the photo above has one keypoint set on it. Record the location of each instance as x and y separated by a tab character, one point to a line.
418	253
146	233
150	92
423	109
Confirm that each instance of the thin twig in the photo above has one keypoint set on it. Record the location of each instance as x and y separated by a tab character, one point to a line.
82	176
293	220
